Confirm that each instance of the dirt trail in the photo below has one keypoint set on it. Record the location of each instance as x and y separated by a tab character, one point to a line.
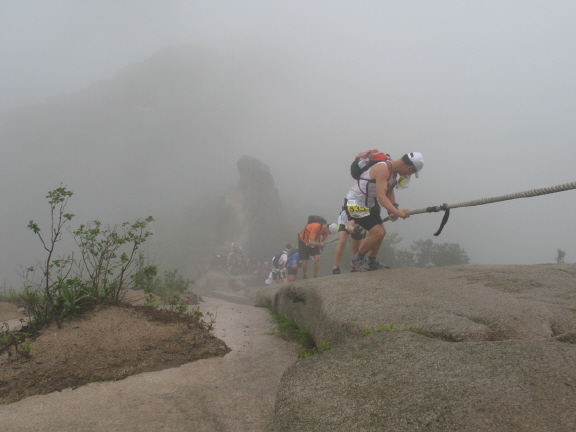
234	393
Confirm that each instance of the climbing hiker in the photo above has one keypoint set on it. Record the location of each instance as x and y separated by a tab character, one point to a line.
279	265
376	178
292	265
347	228
310	241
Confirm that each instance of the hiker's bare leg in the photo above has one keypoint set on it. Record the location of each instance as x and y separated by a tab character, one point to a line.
343	236
374	251
354	246
304	268
316	264
373	240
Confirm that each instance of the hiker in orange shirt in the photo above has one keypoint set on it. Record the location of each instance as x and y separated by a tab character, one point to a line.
310	241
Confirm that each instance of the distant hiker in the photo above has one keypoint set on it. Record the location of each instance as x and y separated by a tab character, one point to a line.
284	260
279	265
236	259
376	177
292	265
310	241
345	228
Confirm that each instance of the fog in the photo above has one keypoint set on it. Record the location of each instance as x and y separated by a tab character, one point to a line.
143	108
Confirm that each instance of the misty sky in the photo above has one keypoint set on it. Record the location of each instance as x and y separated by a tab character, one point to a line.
486	90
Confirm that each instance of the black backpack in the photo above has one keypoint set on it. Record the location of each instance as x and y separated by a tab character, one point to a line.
316	219
276	260
362	162
365	160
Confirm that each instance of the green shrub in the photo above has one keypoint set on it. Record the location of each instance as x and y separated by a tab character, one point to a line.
10	295
61	286
289	330
16	343
170	285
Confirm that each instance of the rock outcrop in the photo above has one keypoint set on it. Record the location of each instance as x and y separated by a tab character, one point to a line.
252	215
463	348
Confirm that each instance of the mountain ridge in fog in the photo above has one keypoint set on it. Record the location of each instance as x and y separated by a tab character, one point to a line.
172	112
149	140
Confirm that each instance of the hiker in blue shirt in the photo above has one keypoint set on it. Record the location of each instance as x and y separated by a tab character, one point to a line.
292	265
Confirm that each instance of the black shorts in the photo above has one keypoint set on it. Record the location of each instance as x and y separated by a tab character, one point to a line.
292	271
306	251
370	221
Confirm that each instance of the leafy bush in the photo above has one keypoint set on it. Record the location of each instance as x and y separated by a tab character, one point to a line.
15	342
10	295
171	285
561	256
62	286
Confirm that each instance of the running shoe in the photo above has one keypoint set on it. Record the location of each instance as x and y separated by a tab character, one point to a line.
336	270
375	265
358	265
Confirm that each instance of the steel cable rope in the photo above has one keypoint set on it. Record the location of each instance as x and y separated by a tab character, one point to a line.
526	194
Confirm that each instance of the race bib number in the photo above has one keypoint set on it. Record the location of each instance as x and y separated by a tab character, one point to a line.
357	211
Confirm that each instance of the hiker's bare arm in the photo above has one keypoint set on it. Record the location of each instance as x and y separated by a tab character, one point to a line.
380	173
318	238
392	197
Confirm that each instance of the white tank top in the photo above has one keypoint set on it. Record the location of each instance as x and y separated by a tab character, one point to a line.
363	191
